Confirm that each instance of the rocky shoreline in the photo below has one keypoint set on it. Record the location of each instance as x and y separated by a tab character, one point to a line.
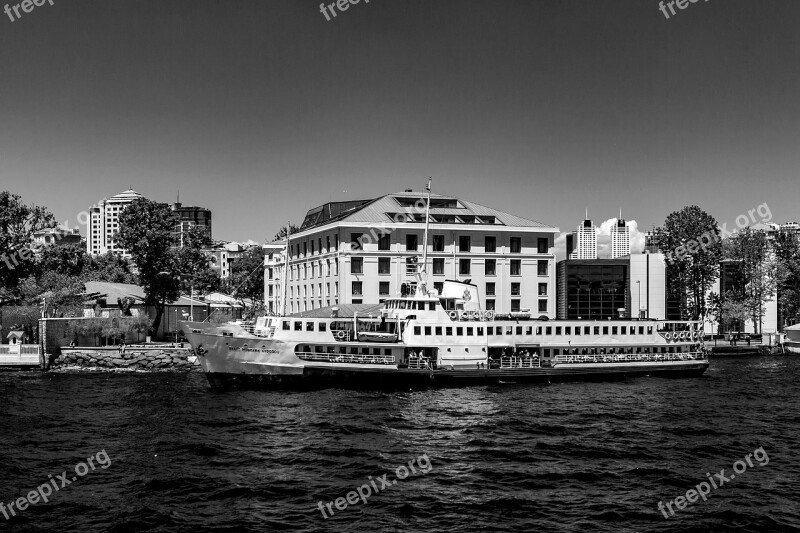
177	359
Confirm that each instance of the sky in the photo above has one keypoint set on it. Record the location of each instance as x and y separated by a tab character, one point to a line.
261	110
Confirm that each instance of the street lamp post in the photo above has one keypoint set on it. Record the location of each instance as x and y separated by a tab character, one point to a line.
639	291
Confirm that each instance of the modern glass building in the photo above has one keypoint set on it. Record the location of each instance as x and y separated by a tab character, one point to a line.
594	289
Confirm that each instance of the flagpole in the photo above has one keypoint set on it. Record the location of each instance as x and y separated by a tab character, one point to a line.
425	239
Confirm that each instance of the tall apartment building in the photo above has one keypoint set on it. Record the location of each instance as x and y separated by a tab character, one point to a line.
585	241
620	238
104	222
366	251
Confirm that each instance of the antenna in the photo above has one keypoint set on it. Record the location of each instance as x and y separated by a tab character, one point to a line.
587	214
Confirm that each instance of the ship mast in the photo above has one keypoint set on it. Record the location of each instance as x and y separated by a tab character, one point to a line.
422	287
285	272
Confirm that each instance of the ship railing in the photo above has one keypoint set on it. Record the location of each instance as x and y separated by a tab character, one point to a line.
347	358
419	363
520	362
628	358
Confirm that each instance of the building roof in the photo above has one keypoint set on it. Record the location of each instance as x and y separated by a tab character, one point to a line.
381	210
113	291
345	311
17	334
128	195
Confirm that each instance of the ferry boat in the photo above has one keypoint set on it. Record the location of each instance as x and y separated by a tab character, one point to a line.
428	338
792	343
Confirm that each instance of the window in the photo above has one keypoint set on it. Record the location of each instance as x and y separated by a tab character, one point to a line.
383	288
417	330
605	330
357	301
464	266
577	330
328	243
490	305
438	243
448	331
543	289
411	242
542	245
427	330
515	306
558	330
491	267
439	286
438	266
490	289
469	332
357	288
464	243
383	242
384	265
515	289
355	240
548	330
312	247
491	244
586	330
516	267
567	330
516	245
597	330
305	248
438	330
542	306
541	267
357	265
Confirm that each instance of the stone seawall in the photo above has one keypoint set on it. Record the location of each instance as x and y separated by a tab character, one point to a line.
179	359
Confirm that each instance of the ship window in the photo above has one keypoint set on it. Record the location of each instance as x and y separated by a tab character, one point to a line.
577	330
597	330
567	330
558	330
480	332
331	349
460	332
449	331
364	351
286	326
431	306
649	330
624	330
353	351
318	349
427	330
342	349
306	348
376	351
298	326
438	330
549	330
417	330
469	332
489	330
614	330
538	330
529	330
547	352
641	330
323	326
387	351
605	330
509	330
309	326
519	330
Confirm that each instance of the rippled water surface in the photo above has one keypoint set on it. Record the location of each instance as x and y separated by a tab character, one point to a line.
569	457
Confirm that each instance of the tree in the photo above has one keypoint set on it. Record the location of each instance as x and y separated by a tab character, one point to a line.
109	267
733	311
758	268
691	242
146	232
247	281
18	223
63	295
69	259
194	264
281	235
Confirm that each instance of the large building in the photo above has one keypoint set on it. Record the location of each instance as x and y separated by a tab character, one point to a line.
584	241
602	289
620	238
366	251
224	255
104	222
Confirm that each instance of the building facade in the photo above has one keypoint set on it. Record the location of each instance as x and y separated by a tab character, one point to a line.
104	223
188	217
366	251
584	241
620	239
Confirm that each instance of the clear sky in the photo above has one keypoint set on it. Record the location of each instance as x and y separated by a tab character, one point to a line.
260	110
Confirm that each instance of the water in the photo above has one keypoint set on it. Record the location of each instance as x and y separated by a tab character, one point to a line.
562	457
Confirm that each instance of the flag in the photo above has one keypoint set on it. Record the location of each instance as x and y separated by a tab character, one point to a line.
428	186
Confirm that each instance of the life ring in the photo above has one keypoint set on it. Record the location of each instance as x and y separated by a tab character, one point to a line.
341	334
453	315
489	315
668	336
683	335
